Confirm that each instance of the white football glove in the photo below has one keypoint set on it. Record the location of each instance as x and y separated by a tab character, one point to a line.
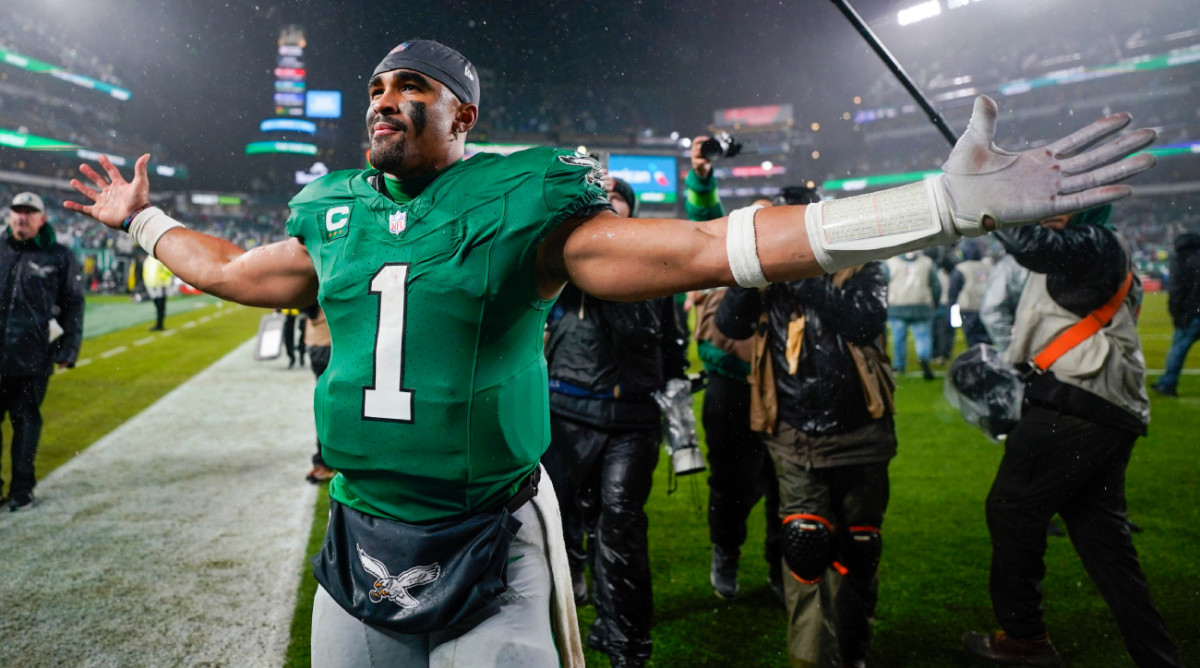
982	187
982	180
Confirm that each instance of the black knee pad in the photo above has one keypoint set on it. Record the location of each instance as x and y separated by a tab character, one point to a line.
860	549
807	546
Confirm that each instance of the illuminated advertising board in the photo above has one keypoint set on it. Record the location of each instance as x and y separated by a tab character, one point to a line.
653	177
300	148
289	73
289	99
287	125
771	114
323	104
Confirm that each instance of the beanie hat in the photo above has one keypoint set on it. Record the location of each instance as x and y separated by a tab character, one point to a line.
438	61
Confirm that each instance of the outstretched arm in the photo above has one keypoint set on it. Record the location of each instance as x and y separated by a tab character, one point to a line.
279	275
624	259
982	188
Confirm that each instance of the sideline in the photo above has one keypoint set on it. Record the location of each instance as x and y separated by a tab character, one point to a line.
222	310
176	539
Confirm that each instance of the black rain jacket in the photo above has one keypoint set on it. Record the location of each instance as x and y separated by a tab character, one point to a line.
1184	299
39	280
607	358
825	395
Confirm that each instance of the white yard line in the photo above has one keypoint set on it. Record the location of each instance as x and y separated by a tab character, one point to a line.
177	539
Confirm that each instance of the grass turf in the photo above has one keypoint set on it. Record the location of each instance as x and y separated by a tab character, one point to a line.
934	570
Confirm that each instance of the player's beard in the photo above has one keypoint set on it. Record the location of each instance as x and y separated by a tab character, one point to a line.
391	154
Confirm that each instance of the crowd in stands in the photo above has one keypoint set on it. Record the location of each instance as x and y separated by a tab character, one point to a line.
514	112
30	37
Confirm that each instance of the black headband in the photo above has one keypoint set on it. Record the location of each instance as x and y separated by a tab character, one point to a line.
438	61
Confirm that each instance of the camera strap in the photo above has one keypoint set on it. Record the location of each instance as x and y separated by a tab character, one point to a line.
1080	331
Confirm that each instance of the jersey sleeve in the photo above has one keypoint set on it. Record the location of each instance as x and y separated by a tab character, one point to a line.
295	224
572	184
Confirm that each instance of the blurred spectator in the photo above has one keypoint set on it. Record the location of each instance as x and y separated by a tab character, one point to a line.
943	330
1184	306
911	291
43	296
740	471
318	342
1069	451
157	279
967	283
289	336
998	310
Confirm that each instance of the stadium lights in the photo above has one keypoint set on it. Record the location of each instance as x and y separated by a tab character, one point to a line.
918	12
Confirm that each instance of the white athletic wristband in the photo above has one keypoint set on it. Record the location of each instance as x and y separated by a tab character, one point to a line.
848	232
742	249
149	226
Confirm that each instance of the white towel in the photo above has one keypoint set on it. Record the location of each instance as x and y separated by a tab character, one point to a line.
564	621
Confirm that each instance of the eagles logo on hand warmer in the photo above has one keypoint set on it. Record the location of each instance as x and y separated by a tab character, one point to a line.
395	589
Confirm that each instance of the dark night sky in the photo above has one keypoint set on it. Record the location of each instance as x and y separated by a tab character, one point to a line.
200	70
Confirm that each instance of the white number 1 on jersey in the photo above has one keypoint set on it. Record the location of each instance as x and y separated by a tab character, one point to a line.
386	399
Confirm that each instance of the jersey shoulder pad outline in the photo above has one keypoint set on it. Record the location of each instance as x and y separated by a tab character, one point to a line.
335	185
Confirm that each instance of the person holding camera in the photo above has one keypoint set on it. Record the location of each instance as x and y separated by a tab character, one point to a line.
606	359
740	472
1075	332
823	400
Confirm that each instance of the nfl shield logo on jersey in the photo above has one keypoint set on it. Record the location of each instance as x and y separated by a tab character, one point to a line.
397	222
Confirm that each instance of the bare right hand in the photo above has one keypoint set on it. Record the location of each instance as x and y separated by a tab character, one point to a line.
117	197
700	164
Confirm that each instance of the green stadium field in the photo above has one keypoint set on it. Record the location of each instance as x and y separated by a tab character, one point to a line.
934	569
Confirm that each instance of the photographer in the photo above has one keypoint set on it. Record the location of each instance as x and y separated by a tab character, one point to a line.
827	416
605	360
1084	410
740	470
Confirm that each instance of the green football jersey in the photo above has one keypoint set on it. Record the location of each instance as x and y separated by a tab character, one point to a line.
434	403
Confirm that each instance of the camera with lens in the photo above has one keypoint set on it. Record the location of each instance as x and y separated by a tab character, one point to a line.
723	145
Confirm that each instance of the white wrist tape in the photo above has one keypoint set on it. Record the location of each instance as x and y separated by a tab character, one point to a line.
149	226
742	249
848	232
